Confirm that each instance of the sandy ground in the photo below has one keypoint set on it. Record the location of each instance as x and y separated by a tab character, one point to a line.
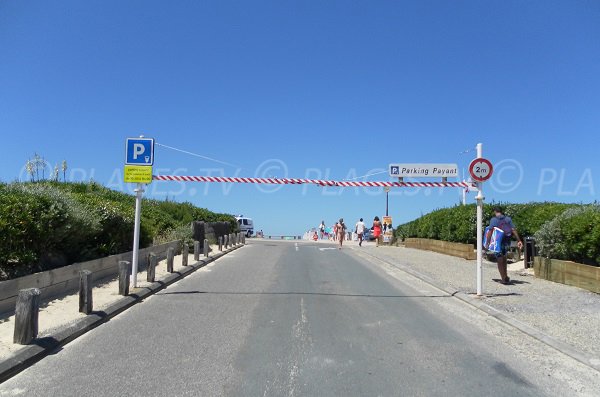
63	311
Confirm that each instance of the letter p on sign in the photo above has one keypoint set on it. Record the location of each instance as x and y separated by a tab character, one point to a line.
138	150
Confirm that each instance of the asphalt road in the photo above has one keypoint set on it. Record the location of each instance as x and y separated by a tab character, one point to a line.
279	319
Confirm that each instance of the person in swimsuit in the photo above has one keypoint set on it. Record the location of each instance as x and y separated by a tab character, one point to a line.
376	230
341	231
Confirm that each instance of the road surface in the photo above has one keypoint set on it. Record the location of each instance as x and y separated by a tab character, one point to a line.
288	319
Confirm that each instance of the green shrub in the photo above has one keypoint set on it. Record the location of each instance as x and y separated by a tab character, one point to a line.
41	228
458	224
574	235
182	233
49	224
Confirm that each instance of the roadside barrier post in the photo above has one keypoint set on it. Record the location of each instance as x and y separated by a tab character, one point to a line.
205	248
151	271
220	243
26	316
124	274
226	238
196	250
185	252
170	258
86	304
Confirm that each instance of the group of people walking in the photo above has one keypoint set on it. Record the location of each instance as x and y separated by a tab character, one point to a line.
500	221
340	231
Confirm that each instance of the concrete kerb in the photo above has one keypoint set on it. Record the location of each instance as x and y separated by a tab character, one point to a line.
42	347
564	348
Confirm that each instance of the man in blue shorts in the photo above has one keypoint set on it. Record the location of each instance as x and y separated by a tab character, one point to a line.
505	224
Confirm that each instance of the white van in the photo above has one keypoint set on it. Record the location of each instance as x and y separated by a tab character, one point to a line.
246	225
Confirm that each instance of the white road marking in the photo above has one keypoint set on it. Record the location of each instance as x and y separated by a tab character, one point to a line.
302	334
325	249
297	249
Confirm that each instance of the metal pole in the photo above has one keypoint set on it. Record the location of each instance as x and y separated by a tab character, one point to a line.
136	233
479	199
387	201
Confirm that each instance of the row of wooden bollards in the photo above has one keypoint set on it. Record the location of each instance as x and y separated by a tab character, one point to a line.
28	301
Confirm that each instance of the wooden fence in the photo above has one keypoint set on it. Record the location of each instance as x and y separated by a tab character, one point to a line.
465	251
569	273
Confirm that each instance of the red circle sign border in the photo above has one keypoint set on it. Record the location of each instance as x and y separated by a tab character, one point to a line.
488	162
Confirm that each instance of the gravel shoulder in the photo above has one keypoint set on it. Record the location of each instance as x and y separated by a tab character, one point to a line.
563	312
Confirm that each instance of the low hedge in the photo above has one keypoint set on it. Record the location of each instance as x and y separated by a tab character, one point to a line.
458	224
562	231
49	224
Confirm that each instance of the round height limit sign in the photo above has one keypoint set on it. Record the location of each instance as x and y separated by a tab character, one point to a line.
481	170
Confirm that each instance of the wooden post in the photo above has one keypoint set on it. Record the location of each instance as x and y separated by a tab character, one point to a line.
226	238
151	271
220	243
170	258
26	316
86	304
185	253
196	250
124	274
205	247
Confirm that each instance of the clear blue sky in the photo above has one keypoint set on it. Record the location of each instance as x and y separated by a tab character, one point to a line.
336	88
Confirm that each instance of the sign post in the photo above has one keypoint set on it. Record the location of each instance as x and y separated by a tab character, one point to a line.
139	158
481	170
139	191
387	199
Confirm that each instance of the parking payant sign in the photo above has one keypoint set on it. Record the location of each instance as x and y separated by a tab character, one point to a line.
423	170
139	151
481	169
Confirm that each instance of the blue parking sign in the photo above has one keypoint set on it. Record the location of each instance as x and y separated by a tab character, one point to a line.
139	151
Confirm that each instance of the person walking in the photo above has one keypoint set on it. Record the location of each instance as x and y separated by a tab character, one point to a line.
341	232
322	229
335	231
360	231
505	224
376	230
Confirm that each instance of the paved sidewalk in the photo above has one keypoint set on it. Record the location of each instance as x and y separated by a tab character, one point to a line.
568	314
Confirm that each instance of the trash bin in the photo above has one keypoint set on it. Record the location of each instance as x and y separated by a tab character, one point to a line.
529	252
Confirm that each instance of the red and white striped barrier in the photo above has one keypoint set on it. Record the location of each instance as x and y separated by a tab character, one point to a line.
296	181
